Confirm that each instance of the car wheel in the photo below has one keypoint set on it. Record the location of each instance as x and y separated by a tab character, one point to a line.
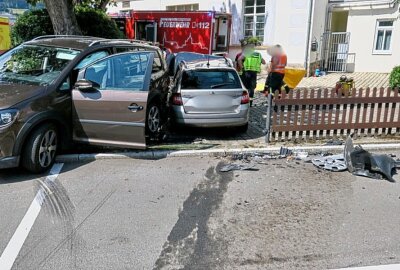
40	149
243	129
153	122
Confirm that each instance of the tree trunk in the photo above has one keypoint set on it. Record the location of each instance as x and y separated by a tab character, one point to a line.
62	17
103	4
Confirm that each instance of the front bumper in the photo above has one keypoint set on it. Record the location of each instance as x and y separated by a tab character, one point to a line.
9	162
7	142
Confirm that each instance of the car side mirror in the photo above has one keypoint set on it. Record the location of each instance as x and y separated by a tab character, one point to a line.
86	86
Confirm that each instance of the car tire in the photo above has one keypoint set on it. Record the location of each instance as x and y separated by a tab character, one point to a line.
40	149
154	121
243	129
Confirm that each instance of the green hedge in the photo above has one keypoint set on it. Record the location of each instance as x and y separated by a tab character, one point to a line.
96	23
31	24
37	23
395	77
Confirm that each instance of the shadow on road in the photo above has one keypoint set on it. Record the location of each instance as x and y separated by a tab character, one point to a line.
16	175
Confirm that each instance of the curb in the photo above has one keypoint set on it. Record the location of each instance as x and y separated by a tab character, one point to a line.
159	154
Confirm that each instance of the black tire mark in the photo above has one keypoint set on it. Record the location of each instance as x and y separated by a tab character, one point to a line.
75	230
193	219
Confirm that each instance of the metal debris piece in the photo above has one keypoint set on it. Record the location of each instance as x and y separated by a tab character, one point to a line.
301	155
361	162
334	142
268	157
259	160
284	152
335	163
238	167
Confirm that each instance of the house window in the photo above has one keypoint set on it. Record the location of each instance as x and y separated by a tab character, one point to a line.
254	18
383	36
190	7
126	4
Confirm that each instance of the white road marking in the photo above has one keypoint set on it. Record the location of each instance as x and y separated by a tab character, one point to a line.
377	267
13	248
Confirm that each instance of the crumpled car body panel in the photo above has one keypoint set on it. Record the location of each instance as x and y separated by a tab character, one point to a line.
361	162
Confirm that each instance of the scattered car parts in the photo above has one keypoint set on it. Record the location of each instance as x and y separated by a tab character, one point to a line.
335	163
362	163
238	167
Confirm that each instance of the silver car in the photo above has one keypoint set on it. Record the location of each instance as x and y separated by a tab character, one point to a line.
209	94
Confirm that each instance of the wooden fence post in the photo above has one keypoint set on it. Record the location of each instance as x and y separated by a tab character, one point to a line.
268	119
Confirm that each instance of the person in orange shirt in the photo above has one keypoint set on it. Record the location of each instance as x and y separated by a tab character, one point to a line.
276	69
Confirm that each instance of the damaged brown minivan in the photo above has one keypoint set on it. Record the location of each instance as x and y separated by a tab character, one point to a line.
55	90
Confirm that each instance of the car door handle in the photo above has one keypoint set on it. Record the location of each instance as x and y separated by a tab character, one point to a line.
135	108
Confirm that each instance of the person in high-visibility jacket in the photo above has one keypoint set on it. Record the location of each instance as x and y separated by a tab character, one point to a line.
276	69
250	62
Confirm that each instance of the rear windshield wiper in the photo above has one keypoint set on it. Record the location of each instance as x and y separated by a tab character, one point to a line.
220	85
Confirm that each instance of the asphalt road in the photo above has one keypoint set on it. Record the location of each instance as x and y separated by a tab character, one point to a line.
182	213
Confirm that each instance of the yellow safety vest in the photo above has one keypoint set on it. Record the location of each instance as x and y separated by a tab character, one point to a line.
253	62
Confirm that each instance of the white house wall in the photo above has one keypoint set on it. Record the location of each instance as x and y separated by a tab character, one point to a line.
318	28
290	25
362	26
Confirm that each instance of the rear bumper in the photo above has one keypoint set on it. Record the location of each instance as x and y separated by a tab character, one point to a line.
211	120
9	162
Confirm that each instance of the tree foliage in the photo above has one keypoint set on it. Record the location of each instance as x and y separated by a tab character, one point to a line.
62	13
31	24
92	22
395	77
96	4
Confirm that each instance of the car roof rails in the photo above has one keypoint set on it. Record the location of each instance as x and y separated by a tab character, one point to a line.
212	63
120	40
61	36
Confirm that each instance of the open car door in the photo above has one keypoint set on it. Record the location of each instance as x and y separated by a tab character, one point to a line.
110	100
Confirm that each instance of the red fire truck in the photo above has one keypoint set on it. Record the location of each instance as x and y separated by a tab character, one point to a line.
206	32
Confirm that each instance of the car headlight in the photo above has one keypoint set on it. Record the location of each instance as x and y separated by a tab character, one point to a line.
7	117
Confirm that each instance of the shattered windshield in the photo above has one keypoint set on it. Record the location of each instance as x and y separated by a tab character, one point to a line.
34	65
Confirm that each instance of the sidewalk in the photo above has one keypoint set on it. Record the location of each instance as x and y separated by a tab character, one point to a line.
362	80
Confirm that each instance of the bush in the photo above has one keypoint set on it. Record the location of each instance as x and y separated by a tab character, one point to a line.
251	40
31	24
96	23
37	23
395	77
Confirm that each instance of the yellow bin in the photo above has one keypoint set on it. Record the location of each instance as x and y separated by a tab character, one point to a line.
293	76
5	40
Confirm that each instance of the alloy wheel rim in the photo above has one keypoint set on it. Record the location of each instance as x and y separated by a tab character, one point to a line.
48	147
154	119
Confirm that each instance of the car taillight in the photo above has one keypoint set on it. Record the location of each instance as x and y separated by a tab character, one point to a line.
245	98
177	99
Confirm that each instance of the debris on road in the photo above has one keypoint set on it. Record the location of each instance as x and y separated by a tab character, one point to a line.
284	152
362	163
301	155
268	157
334	142
238	167
335	163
